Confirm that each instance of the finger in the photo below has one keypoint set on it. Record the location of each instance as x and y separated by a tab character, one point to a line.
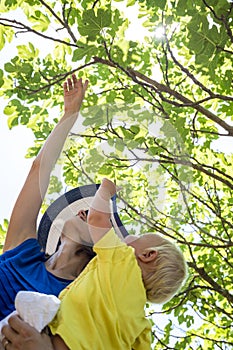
74	77
70	84
75	80
79	83
1	346
85	86
17	328
9	333
65	87
16	323
4	343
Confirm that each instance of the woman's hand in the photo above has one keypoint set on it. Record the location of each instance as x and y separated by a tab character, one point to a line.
74	91
19	335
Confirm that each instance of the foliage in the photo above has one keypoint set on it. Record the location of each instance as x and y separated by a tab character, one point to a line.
3	230
154	112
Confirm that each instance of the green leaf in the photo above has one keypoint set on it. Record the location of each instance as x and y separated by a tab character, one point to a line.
213	34
9	67
160	3
8	110
2	38
105	170
111	96
181	7
80	53
202	59
1	78
135	129
26	68
129	97
130	3
119	145
209	49
12	121
93	22
42	21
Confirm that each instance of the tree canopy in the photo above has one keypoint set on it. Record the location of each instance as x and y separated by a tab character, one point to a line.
156	113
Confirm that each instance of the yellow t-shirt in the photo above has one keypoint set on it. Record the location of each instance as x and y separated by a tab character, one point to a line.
103	309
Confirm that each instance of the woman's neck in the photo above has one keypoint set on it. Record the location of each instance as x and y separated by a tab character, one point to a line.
66	263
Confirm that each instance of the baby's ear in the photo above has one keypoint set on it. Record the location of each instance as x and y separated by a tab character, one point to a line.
148	255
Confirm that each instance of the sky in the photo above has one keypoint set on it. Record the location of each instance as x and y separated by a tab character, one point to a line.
13	147
14	166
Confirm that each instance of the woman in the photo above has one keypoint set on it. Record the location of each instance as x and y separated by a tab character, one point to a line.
22	265
111	292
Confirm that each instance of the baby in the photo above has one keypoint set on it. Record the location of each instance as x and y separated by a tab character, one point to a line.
104	307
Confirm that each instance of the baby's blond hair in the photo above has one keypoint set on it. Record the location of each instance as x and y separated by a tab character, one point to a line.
167	274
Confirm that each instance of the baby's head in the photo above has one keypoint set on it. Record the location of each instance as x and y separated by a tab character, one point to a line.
164	269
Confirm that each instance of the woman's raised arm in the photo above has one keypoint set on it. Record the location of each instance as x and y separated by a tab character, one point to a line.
25	212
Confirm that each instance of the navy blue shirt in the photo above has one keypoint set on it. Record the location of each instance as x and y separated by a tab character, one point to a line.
23	268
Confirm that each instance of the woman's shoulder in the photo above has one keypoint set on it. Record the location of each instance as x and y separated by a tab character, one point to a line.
30	245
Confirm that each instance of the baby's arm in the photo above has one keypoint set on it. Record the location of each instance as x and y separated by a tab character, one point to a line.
99	213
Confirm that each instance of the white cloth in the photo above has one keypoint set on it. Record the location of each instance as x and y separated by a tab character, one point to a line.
36	309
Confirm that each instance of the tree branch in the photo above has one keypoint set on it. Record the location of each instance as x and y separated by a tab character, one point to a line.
26	29
201	271
185	100
56	80
222	18
165	89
